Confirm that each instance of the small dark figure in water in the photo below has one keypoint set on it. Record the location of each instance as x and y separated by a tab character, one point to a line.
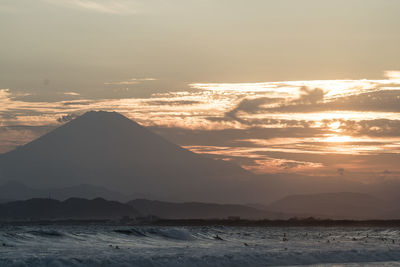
246	244
284	237
116	247
217	237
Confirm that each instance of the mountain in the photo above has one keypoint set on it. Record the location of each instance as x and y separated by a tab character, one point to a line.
72	208
85	191
333	205
109	150
13	190
196	210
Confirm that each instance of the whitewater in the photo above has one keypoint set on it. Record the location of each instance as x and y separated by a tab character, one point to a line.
197	246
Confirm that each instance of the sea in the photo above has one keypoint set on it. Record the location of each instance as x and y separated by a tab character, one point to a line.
100	245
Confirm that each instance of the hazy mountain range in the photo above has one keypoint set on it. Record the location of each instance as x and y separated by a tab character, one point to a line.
334	206
342	205
104	154
99	208
72	208
13	190
196	210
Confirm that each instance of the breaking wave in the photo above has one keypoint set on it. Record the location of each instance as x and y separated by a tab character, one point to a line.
46	233
197	246
172	233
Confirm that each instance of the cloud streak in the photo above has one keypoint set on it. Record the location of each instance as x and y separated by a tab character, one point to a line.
119	7
131	81
295	126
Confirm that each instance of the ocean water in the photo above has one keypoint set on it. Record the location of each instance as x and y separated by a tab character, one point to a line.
197	246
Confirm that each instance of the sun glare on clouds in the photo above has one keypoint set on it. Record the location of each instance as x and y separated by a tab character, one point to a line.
336	117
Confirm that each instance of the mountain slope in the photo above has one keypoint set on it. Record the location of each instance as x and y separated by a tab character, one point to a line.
72	208
108	149
13	190
334	205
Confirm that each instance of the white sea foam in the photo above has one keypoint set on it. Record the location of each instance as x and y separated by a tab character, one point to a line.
197	246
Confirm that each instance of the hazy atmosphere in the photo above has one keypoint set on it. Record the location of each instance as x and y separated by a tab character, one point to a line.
276	86
186	133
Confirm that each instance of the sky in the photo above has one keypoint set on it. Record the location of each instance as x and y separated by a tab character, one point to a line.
288	86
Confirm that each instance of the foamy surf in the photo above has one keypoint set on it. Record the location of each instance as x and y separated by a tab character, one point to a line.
197	246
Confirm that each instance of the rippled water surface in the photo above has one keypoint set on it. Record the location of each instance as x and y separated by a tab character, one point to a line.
197	246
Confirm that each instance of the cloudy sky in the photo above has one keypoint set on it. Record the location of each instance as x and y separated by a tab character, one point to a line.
302	86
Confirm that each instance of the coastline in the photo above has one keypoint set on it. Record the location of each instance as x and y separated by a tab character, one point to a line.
309	222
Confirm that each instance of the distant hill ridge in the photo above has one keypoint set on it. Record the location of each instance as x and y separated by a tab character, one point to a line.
343	205
99	208
13	190
196	210
72	208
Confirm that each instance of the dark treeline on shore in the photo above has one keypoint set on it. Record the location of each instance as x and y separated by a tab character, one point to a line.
144	212
293	222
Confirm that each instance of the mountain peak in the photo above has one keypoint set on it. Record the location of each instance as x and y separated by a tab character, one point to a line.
100	114
108	149
108	118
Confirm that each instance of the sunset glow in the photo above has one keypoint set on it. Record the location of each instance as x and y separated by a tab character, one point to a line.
290	108
359	117
337	139
200	133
